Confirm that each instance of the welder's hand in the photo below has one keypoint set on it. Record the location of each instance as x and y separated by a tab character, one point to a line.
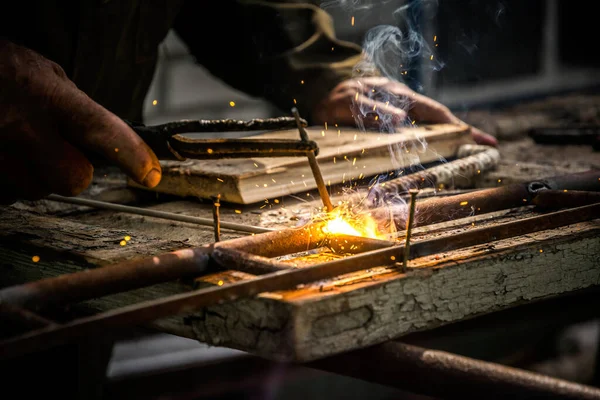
377	100
46	126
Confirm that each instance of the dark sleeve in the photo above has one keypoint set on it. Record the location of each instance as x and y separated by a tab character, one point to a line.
283	51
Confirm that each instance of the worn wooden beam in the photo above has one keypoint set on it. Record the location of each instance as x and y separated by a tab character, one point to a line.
333	316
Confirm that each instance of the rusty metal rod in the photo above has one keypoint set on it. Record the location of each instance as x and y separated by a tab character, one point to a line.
280	243
409	225
449	376
217	217
433	210
156	214
226	125
555	199
21	318
102	281
216	149
281	280
314	165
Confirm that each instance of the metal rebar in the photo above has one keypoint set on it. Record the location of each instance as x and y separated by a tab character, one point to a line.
314	165
409	226
281	280
227	125
102	281
157	214
433	210
217	217
217	149
449	376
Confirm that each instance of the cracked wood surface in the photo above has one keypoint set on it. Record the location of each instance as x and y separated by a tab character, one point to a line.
373	306
332	316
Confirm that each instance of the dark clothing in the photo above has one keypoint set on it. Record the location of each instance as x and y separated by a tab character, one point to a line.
109	48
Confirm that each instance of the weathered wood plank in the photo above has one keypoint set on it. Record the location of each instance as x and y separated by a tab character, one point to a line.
349	312
344	154
365	308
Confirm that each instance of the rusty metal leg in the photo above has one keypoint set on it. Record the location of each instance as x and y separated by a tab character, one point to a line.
438	373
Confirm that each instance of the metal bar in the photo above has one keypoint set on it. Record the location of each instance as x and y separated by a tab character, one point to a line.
102	281
217	217
216	149
279	243
555	199
435	210
438	373
226	125
280	280
23	318
157	214
409	226
314	165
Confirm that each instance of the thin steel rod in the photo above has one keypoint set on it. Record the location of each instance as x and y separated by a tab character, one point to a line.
226	125
217	217
409	225
216	149
449	376
156	214
314	164
102	281
281	280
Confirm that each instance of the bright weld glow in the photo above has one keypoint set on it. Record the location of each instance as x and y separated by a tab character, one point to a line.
220	283
123	243
127	238
35	259
154	102
352	21
232	103
343	223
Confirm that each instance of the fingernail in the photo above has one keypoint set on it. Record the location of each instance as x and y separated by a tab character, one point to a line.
152	178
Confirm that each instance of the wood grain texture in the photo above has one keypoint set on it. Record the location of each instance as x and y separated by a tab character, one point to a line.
332	316
374	306
344	155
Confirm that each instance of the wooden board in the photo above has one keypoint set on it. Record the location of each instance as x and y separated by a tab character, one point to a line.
328	317
344	155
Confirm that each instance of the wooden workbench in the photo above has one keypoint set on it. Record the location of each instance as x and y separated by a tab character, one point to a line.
324	318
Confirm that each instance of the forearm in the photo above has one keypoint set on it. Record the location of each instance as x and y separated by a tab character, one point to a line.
285	52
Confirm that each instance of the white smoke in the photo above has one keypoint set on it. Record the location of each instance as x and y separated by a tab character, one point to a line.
398	51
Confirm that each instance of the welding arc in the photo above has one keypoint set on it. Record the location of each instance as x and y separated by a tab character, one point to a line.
157	214
281	280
